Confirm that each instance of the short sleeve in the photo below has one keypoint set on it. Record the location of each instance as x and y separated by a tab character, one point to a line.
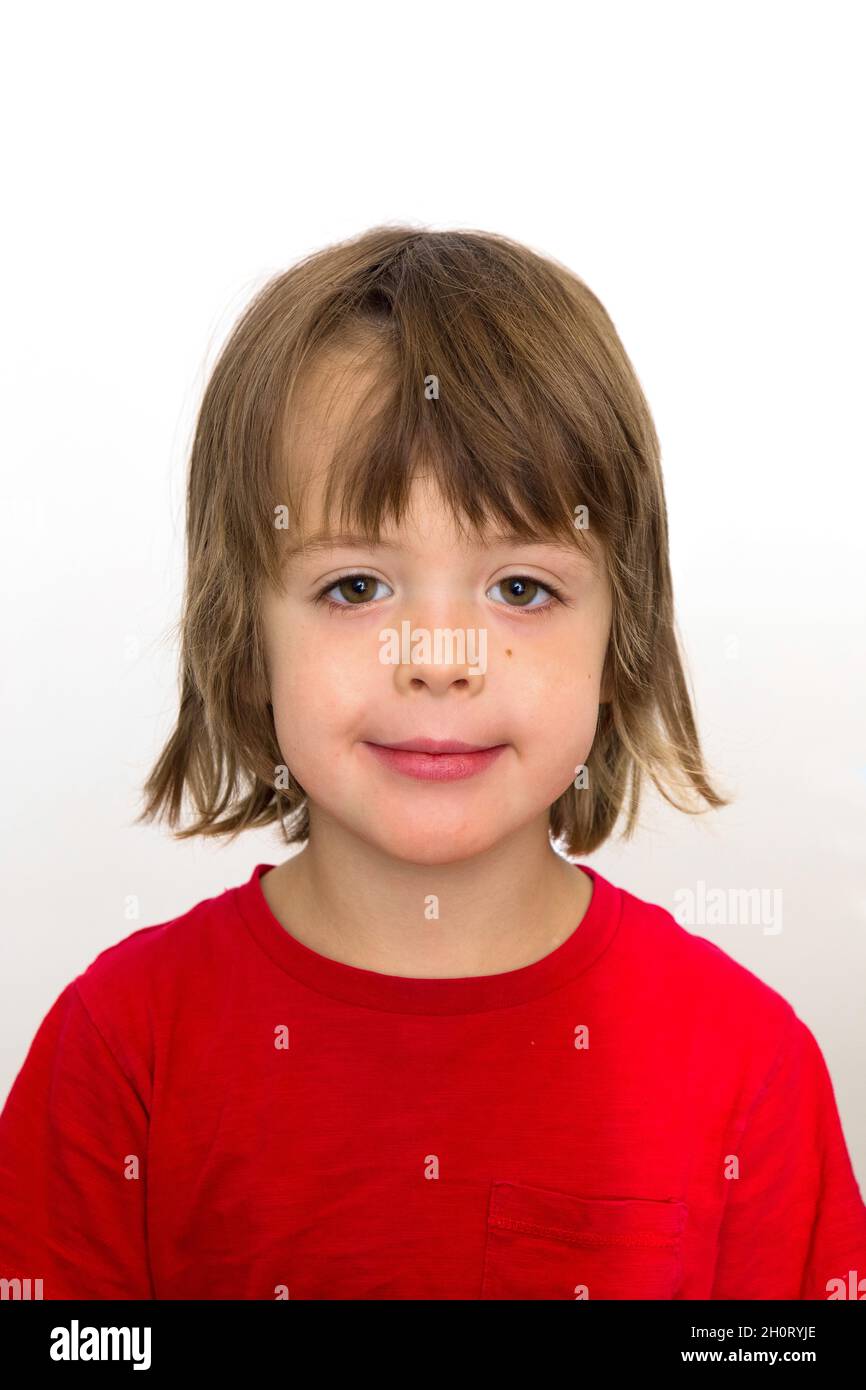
73	1146
795	1224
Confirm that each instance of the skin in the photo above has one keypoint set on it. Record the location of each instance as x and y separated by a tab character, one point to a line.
380	842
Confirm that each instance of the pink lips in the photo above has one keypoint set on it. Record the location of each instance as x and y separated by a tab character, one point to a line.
436	760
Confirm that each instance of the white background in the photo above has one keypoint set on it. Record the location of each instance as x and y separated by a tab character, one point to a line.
700	166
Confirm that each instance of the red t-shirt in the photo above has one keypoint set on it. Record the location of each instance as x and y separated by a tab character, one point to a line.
214	1110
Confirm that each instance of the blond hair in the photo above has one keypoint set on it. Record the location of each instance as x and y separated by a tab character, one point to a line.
539	411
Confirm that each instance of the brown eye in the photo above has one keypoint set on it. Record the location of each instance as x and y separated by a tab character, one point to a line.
521	591
358	588
524	590
353	590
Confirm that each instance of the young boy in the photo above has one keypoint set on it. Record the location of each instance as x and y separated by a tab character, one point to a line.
429	631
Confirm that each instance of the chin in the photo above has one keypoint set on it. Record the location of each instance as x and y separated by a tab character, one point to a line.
432	844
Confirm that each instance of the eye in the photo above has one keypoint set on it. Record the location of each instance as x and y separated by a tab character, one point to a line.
354	588
524	589
358	591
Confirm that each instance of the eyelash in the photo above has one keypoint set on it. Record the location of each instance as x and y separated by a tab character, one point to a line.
342	608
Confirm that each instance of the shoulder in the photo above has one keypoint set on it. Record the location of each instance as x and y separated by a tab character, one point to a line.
133	990
705	995
732	1028
654	931
152	950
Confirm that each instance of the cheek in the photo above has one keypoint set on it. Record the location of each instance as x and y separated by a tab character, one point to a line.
562	728
317	692
557	689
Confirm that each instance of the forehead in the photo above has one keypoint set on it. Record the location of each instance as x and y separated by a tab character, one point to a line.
325	400
343	388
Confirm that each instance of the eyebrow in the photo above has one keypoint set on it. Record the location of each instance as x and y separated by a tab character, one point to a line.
322	541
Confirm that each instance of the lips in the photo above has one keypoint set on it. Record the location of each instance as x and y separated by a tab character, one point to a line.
437	745
436	760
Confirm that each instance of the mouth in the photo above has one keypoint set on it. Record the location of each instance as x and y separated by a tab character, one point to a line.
436	760
438	745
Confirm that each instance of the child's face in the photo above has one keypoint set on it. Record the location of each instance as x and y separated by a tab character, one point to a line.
535	691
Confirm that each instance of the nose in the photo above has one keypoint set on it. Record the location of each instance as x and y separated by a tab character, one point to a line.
440	660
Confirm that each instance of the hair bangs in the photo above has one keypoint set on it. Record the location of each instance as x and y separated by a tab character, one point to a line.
504	458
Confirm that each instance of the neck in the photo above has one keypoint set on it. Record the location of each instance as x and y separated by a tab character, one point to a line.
498	910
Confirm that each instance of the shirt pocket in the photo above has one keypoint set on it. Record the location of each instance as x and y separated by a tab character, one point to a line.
543	1244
